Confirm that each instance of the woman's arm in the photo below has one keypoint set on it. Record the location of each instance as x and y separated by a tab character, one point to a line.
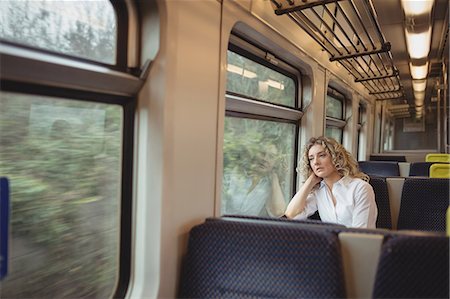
298	202
365	210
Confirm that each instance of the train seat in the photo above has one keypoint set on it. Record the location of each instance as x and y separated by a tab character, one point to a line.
379	168
437	157
420	169
380	188
440	170
394	158
261	259
413	267
305	221
423	205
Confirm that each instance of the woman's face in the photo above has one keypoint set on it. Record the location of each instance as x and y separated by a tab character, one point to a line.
320	162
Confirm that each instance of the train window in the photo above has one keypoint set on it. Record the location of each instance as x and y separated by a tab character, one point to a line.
257	81
67	111
260	135
63	158
85	29
335	118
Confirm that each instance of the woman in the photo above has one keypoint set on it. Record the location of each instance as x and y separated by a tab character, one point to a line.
334	186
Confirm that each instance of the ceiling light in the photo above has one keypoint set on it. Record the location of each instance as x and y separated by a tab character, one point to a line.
419	85
243	72
418	44
419	71
417	7
275	84
419	98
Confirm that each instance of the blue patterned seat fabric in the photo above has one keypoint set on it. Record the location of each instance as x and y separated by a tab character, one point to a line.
266	259
379	168
413	267
423	204
380	188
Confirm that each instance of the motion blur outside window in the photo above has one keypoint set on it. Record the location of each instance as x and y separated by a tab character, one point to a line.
259	152
63	159
85	29
62	150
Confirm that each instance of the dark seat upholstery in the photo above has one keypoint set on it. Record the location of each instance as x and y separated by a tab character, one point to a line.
395	158
380	188
413	267
379	168
420	169
261	259
423	204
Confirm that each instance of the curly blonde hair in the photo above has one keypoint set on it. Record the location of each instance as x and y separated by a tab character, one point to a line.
344	162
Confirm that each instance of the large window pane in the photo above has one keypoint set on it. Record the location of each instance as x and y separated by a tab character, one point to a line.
63	158
258	166
251	79
85	29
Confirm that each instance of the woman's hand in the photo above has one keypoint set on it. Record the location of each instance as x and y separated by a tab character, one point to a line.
313	180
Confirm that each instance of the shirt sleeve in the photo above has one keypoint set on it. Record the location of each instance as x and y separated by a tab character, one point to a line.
310	208
365	209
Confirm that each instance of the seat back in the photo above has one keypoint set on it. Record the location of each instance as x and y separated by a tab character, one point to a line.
413	267
437	157
423	204
420	169
379	185
395	158
273	259
438	170
379	168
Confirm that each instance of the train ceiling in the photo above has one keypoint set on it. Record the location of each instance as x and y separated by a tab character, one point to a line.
372	47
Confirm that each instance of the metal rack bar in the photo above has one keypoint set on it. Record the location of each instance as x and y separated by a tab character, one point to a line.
338	26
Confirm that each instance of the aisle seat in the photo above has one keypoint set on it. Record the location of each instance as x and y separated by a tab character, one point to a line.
413	267
437	157
380	188
440	170
255	259
423	205
379	168
420	169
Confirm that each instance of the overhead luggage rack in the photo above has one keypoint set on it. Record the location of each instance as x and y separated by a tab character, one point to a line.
349	31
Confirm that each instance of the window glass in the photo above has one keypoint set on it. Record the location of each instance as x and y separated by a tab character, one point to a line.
334	132
251	79
334	107
85	29
259	162
63	158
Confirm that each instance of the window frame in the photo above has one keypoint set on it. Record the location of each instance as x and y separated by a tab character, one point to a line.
91	81
242	106
332	122
121	63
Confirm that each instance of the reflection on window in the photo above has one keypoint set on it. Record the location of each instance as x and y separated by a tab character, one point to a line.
334	107
251	79
334	132
63	158
85	29
258	166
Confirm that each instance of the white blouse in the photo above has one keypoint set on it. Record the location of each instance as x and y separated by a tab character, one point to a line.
355	203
